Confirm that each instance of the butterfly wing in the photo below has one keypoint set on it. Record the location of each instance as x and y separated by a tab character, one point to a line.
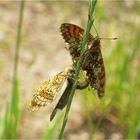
73	35
63	100
47	92
99	75
65	96
94	66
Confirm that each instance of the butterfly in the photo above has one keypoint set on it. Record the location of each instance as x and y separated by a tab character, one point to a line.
93	63
48	91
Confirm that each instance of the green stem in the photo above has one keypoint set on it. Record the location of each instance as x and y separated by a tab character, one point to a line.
17	48
14	116
81	58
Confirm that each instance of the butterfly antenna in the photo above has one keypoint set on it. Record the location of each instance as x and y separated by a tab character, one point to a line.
95	30
108	38
105	38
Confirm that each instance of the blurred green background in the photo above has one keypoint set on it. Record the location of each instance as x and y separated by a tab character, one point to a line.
43	54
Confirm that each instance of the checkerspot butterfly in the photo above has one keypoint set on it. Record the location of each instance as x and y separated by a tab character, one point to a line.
49	90
93	63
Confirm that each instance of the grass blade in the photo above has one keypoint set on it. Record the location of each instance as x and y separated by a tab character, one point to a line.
12	112
83	49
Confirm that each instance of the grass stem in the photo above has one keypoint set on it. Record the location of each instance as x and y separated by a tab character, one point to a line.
83	49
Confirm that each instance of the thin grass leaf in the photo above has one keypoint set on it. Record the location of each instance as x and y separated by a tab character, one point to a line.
6	123
15	108
12	112
83	49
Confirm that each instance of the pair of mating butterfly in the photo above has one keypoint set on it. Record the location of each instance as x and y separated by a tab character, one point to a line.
93	65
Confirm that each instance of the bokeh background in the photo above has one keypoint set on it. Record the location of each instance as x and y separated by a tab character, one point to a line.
43	54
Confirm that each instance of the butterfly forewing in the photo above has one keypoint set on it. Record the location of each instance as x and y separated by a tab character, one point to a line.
73	35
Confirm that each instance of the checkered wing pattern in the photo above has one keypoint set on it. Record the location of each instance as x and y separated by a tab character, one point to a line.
73	35
94	66
48	91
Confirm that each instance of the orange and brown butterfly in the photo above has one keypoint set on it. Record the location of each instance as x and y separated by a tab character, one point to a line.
48	91
93	63
73	35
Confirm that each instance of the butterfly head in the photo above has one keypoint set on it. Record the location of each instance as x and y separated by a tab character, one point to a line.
96	41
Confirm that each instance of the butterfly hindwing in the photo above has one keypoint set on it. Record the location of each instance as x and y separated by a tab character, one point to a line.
48	91
94	66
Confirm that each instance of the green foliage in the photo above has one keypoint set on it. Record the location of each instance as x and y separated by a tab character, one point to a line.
15	109
12	115
6	123
12	110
